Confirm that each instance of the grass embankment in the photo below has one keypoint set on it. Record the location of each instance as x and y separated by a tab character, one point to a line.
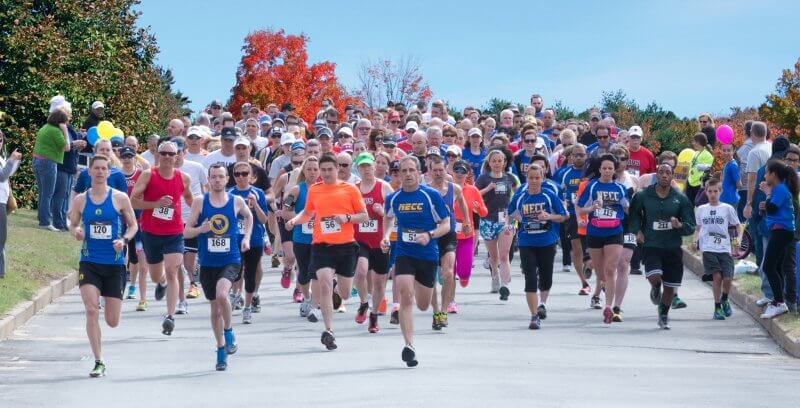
34	257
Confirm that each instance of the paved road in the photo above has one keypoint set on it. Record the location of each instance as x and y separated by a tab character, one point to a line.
487	356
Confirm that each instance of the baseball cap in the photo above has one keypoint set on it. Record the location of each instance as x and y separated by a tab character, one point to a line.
348	148
454	149
215	104
346	130
298	145
365	158
474	131
277	120
228	133
127	152
412	125
287	138
390	141
325	131
194	131
241	141
635	131
433	151
97	105
461	166
394	165
178	143
265	120
117	141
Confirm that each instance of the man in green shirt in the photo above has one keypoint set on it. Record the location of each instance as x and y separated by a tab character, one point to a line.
662	215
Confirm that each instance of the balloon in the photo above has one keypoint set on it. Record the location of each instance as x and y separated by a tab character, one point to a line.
92	135
725	134
105	129
118	132
686	155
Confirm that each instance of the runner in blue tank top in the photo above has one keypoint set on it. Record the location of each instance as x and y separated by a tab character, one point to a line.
302	233
104	220
214	221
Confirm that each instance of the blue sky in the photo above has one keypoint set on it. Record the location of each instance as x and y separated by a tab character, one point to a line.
689	56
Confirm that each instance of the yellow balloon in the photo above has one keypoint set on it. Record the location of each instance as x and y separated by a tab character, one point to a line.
686	155
105	129
119	132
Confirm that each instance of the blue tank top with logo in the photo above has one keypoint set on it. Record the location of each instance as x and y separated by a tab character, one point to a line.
257	235
449	202
102	224
302	232
219	246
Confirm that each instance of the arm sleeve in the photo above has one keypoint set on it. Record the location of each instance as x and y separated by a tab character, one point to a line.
733	217
8	170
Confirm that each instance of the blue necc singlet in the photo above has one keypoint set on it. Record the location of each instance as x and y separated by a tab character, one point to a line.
102	224
302	233
220	246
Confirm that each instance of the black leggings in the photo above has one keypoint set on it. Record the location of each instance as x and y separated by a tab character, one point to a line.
537	265
302	254
774	258
636	258
250	261
566	246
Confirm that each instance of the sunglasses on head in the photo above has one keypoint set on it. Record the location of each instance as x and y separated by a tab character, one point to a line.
241	173
595	119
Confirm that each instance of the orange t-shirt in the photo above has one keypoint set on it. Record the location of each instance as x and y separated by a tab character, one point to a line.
327	200
471	195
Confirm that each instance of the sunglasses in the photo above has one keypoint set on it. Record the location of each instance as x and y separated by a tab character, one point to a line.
394	171
595	120
602	137
297	163
475	136
460	170
452	155
344	165
703	121
193	137
622	158
241	173
275	136
394	122
530	140
168	154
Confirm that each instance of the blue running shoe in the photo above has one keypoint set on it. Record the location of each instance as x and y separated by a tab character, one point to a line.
719	314
222	359
230	341
726	308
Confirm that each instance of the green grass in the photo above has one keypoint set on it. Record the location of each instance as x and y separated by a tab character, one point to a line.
34	257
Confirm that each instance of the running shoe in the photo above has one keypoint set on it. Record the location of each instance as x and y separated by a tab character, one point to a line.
663	321
382	307
305	308
452	307
566	268
463	282
328	340
341	309
504	292
230	341
495	284
222	359
541	311
247	315
168	325
131	292
707	277
636	271
587	273
275	261
774	310
314	315
655	294
286	278
677	303
194	291
585	290
373	323
395	317
239	302
486	264
337	300
594	303
608	315
437	324
409	356
726	308
182	308
298	295
142	307
256	303
160	291
267	249
536	323
763	302
718	314
361	314
443	319
353	291
617	314
99	369
232	299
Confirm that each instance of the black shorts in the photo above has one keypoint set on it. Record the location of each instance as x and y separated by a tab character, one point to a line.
572	227
665	262
286	236
424	271
156	246
109	279
718	262
377	259
133	257
626	241
209	275
447	243
302	255
190	245
339	257
599	242
250	261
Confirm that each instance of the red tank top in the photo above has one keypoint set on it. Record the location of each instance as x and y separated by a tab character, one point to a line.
131	180
370	233
164	220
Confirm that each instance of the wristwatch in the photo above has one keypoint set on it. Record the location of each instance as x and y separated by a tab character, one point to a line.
348	217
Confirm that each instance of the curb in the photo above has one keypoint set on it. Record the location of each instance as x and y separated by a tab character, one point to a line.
21	313
748	304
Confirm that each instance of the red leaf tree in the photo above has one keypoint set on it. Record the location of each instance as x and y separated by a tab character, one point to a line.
274	69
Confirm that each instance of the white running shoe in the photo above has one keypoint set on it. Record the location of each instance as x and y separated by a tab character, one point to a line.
774	310
247	315
486	264
305	309
763	302
183	308
495	284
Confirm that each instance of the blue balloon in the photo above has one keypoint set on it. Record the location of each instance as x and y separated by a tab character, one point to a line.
92	135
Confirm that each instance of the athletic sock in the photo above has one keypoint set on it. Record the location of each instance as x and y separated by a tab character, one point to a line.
724	297
663	309
717	305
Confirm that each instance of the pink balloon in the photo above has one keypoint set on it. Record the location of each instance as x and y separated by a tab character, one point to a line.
725	134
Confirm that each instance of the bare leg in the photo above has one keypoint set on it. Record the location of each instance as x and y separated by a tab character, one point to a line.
716	287
91	302
378	289
598	261
533	301
611	254
503	246
449	286
325	283
623	268
360	279
577	260
172	263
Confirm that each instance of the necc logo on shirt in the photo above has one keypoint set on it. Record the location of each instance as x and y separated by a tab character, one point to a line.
532	208
410	207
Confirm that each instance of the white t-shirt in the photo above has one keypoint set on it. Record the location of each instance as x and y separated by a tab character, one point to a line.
147	155
217	157
195	157
714	222
276	166
758	156
199	178
260	142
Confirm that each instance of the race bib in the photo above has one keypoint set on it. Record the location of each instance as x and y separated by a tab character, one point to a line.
629	239
368	226
501	217
329	225
219	244
307	227
240	224
164	213
500	188
458	228
574	198
100	230
410	235
662	225
605	213
535	227
716	238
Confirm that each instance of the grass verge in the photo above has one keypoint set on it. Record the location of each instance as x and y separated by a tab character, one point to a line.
34	257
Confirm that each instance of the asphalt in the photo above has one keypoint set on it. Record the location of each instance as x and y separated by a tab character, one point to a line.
486	357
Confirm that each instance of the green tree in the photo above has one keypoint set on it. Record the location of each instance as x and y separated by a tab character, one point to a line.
85	50
782	108
563	112
496	105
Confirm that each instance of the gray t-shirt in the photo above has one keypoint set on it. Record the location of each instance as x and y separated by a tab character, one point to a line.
497	200
741	156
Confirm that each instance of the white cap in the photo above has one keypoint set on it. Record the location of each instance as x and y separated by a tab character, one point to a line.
346	130
57	101
194	130
454	149
474	131
635	130
412	125
241	141
97	105
287	138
